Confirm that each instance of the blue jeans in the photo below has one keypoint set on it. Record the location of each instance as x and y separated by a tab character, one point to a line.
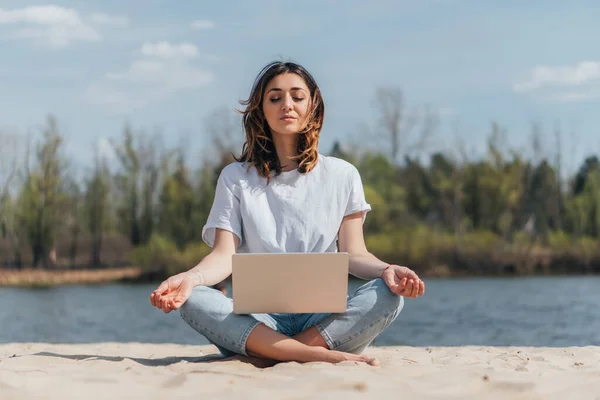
371	309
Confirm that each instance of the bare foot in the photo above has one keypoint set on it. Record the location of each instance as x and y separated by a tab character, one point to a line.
318	354
335	357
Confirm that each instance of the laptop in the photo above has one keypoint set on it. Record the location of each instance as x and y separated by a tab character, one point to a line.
290	283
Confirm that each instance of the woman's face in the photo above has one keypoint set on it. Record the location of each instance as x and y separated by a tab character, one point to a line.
286	102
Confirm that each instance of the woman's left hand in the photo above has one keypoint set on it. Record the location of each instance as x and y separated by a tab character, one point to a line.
403	281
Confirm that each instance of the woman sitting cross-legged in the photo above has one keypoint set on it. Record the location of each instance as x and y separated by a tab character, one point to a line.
283	196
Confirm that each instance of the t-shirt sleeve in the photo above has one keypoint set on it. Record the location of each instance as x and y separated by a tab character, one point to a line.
225	211
356	200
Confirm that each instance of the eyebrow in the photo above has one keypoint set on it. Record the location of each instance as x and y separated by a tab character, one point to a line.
280	90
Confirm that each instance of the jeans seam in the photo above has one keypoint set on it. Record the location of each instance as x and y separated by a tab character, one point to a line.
242	344
293	324
382	318
325	336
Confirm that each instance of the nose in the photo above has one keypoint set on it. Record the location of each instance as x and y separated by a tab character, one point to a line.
288	102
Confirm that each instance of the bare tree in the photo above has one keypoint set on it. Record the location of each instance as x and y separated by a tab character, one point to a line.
42	196
558	167
97	204
9	160
461	159
537	143
397	125
137	183
225	133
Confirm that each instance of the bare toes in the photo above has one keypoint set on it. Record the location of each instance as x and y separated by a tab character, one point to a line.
372	361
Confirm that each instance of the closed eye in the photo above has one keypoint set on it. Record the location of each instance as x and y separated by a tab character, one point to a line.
276	99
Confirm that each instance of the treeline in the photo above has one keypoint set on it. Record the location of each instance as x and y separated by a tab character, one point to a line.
50	218
448	214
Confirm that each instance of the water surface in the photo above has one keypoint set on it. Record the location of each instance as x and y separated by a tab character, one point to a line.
540	311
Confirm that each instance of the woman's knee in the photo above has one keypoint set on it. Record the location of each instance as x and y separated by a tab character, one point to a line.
371	310
386	301
198	304
210	313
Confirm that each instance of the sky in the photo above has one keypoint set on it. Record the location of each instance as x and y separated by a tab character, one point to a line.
168	64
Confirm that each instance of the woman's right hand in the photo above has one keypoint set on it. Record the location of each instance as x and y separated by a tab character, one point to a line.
172	293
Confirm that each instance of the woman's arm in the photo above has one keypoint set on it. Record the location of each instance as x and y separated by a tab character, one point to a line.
401	280
216	266
363	264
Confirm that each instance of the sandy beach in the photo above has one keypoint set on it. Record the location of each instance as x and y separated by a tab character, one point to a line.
135	370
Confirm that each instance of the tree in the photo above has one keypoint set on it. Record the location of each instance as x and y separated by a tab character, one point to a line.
590	165
382	177
72	213
176	205
541	198
340	151
584	207
42	195
397	125
97	206
446	178
225	133
137	184
9	162
204	194
495	188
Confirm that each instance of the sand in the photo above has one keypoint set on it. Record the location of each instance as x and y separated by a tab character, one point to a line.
168	371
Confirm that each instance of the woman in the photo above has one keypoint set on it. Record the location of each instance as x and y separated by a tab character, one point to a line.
283	196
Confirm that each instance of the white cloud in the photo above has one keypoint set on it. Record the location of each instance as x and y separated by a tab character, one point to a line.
50	25
167	50
159	71
569	97
106	19
574	75
53	26
202	25
172	76
45	15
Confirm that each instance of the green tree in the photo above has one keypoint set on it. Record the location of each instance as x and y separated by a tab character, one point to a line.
137	184
97	207
176	206
42	195
204	194
590	165
541	204
382	177
584	207
72	218
446	179
419	189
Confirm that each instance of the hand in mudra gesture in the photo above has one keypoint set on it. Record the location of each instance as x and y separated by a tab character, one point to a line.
403	281
172	293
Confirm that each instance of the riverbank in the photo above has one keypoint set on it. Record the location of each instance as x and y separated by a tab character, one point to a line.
34	278
48	278
135	370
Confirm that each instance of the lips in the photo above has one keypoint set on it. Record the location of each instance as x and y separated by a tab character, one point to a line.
287	118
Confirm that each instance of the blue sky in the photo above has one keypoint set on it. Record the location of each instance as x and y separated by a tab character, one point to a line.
168	64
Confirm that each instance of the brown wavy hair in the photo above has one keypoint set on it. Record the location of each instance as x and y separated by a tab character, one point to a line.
259	148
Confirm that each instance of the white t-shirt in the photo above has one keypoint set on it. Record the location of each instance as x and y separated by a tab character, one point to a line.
294	213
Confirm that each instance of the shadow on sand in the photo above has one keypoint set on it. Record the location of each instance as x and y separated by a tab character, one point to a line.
162	362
